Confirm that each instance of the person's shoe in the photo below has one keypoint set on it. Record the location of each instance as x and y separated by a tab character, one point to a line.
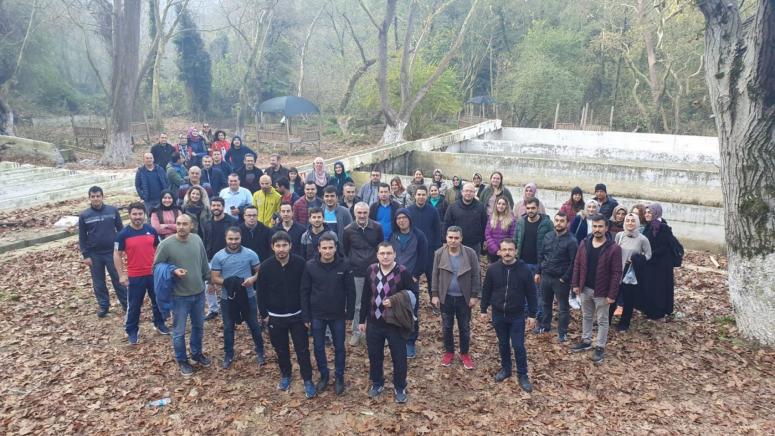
202	360
102	313
211	315
468	363
375	391
447	358
524	383
538	330
261	359
285	383
322	384
573	301
411	353
581	346
133	339
502	375
309	389
162	329
622	328
185	368
562	338
329	341
598	356
354	339
436	311
400	395
339	386
227	361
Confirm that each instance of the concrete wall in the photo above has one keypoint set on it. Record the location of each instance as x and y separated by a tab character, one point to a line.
676	147
16	149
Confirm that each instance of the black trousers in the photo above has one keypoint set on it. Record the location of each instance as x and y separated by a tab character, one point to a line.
279	328
377	332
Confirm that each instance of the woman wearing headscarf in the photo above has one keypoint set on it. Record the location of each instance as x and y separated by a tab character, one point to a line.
319	176
398	193
417	180
581	225
235	155
339	178
657	302
164	216
477	180
575	203
616	223
528	192
438	180
197	148
438	201
196	205
636	250
494	191
500	226
455	191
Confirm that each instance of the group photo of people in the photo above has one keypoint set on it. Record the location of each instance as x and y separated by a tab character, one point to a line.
296	256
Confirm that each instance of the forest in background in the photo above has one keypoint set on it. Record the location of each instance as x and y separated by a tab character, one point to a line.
215	60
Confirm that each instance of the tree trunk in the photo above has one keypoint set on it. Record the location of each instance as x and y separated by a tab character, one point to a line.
740	73
394	134
156	116
343	121
126	54
6	118
304	51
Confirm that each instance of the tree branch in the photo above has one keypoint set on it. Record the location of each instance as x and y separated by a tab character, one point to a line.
371	17
390	12
405	76
355	39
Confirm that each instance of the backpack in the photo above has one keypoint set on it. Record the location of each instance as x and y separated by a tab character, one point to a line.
678	251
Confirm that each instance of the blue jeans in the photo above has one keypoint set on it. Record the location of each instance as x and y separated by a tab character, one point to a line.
539	292
100	263
337	327
251	321
138	286
182	308
511	328
456	307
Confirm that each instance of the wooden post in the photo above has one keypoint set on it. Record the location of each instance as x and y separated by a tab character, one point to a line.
258	144
320	129
147	128
288	133
611	120
72	123
556	115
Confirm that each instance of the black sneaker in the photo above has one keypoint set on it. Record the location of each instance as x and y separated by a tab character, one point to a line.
322	384
622	328
598	356
502	375
539	330
339	386
202	360
400	395
102	313
211	315
162	329
581	346
185	368
524	383
375	390
261	359
227	361
562	337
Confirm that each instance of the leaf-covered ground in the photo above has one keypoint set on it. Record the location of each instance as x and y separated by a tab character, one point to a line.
66	371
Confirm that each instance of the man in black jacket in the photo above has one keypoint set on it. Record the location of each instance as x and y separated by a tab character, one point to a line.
162	151
469	214
213	176
507	284
255	235
359	243
279	302
555	267
328	297
250	174
294	229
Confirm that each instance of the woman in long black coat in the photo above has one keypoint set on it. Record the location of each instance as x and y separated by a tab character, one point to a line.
658	291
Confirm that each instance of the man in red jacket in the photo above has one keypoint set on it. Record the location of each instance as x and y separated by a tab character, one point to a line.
597	272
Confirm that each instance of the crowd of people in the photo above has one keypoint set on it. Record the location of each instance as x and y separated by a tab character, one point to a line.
305	254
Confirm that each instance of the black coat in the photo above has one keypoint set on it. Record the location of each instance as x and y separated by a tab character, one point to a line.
507	289
258	239
658	281
472	218
278	289
328	290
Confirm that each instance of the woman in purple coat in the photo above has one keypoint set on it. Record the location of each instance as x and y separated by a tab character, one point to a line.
500	226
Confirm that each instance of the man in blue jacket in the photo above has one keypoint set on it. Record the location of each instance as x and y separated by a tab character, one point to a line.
97	229
150	181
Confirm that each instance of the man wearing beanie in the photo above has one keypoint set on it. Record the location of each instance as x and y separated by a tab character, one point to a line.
606	202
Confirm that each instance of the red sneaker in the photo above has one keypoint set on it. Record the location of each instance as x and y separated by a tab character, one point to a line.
468	363
447	358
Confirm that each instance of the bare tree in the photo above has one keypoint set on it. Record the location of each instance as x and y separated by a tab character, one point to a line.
161	38
342	118
740	73
304	46
397	120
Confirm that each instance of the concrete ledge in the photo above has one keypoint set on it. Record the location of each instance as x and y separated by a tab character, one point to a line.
13	148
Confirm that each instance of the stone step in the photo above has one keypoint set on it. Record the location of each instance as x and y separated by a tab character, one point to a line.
65	193
33	175
31	186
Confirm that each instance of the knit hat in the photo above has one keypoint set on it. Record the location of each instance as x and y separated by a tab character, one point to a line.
600	187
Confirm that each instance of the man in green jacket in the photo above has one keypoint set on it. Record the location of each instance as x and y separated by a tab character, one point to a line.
530	233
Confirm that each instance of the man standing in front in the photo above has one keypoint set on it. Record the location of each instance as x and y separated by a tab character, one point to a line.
150	180
508	283
360	247
456	288
555	268
328	297
279	301
530	233
470	215
385	279
97	229
187	252
236	261
597	273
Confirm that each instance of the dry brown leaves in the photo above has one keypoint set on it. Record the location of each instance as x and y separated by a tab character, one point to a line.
65	371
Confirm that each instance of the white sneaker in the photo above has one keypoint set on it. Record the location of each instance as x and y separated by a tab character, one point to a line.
574	302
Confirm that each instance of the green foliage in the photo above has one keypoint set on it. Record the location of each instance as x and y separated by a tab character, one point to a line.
550	68
441	103
194	64
278	66
227	79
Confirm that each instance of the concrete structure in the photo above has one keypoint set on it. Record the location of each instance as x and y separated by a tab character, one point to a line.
15	149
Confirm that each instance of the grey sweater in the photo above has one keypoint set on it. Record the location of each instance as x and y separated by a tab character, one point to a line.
630	245
189	255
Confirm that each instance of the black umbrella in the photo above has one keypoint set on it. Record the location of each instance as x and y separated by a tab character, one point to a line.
289	106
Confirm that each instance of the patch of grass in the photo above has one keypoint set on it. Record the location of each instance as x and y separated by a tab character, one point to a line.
726	320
